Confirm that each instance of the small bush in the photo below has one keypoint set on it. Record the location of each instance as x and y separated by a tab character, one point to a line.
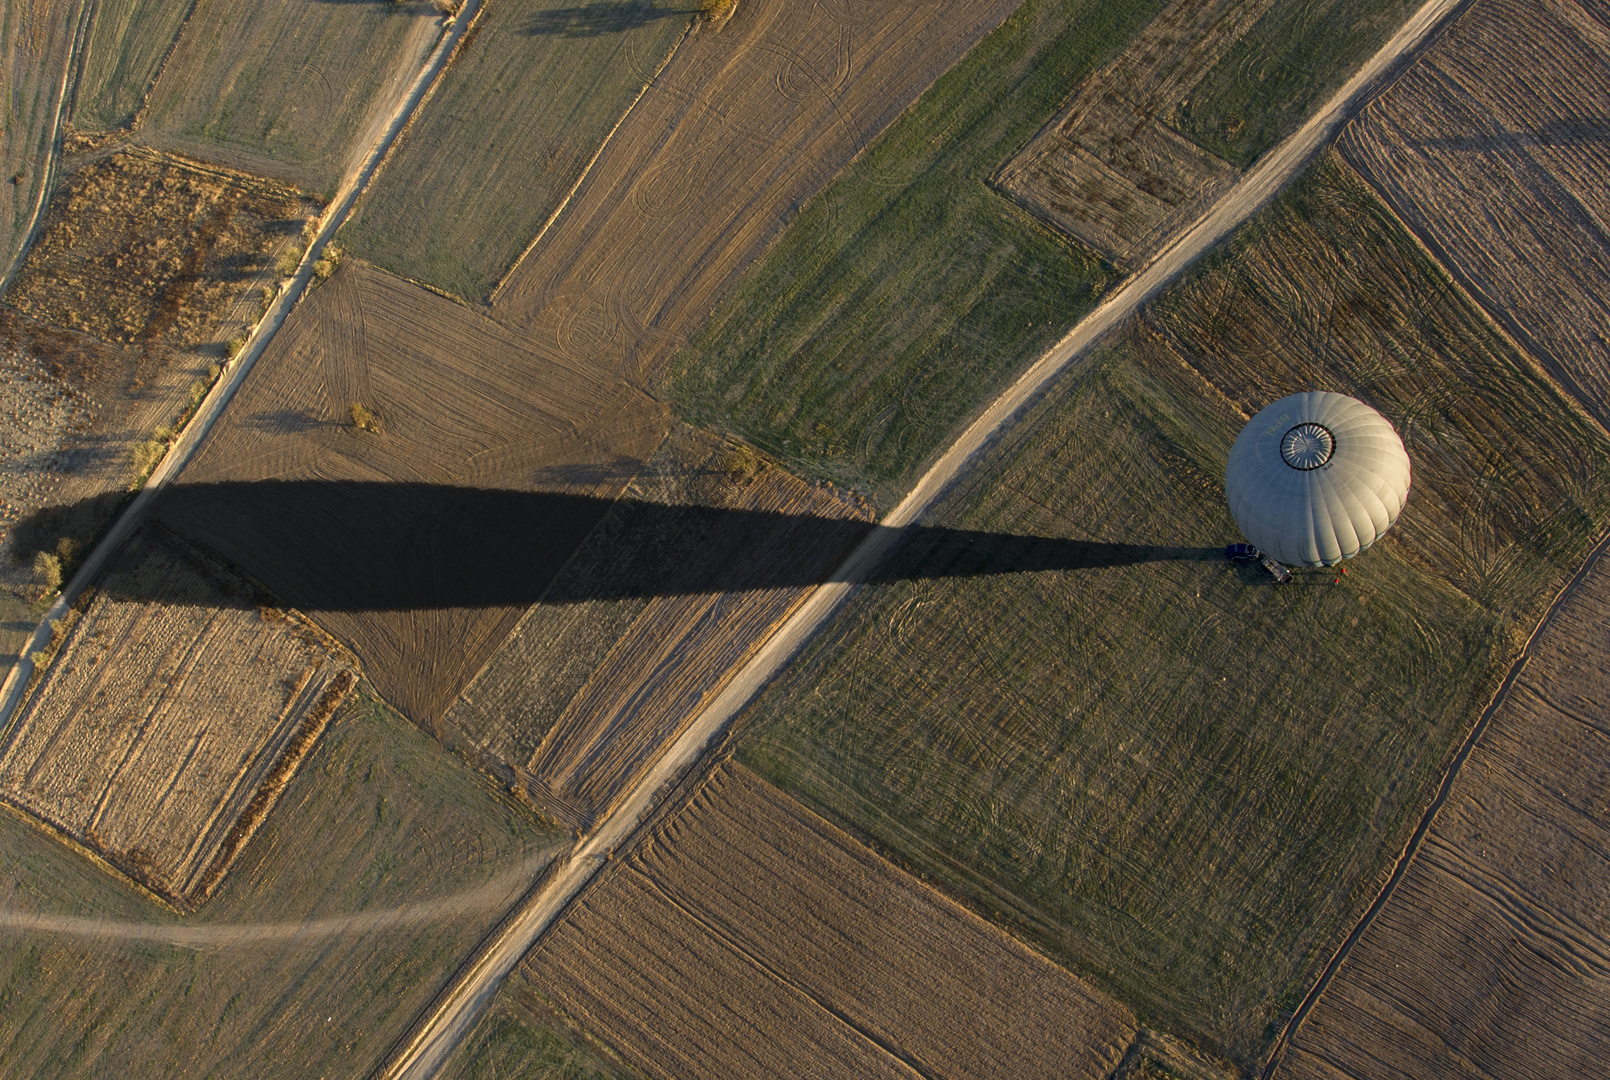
235	346
147	455
740	464
288	261
363	419
48	568
326	264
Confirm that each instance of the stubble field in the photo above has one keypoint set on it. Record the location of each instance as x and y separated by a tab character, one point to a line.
36	40
127	43
1490	958
1290	61
909	290
748	937
385	861
1181	781
282	88
707	550
420	538
1506	113
1106	169
506	135
162	732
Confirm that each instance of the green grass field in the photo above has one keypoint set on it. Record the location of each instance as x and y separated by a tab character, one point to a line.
506	136
521	1035
285	88
379	816
127	42
910	290
1177	778
1292	59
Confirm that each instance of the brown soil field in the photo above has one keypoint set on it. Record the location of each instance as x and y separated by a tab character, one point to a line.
140	247
1493	149
1106	170
161	734
630	642
748	937
1331	292
741	128
462	404
36	42
1492	958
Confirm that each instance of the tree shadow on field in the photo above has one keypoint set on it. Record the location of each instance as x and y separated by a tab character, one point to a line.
1573	132
596	20
373	546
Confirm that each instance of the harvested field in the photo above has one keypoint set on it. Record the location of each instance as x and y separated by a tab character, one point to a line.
36	41
308	977
742	127
140	247
1492	959
1292	60
458	402
1328	290
648	621
506	135
523	1035
162	734
1106	170
1492	147
284	88
127	42
909	291
748	937
1178	779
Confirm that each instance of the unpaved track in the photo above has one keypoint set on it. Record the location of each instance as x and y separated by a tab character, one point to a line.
460	1006
212	407
495	895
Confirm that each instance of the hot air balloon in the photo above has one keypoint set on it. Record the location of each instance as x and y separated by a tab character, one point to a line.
1316	478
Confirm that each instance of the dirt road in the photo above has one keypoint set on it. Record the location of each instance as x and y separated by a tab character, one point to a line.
458	1009
224	390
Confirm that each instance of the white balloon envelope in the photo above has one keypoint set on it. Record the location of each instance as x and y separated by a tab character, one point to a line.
1316	478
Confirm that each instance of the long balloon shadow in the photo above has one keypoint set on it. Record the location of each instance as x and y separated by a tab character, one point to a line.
382	546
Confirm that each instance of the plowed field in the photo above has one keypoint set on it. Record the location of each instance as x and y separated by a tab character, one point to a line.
1494	148
749	937
635	634
508	130
161	734
1492	959
742	127
282	88
462	405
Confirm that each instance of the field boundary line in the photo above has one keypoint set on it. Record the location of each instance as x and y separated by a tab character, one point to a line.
1400	868
52	155
460	1006
587	169
212	406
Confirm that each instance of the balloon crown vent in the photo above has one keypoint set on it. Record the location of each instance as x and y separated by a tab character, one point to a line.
1307	446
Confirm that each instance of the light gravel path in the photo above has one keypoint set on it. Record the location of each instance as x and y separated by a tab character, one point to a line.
457	1009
